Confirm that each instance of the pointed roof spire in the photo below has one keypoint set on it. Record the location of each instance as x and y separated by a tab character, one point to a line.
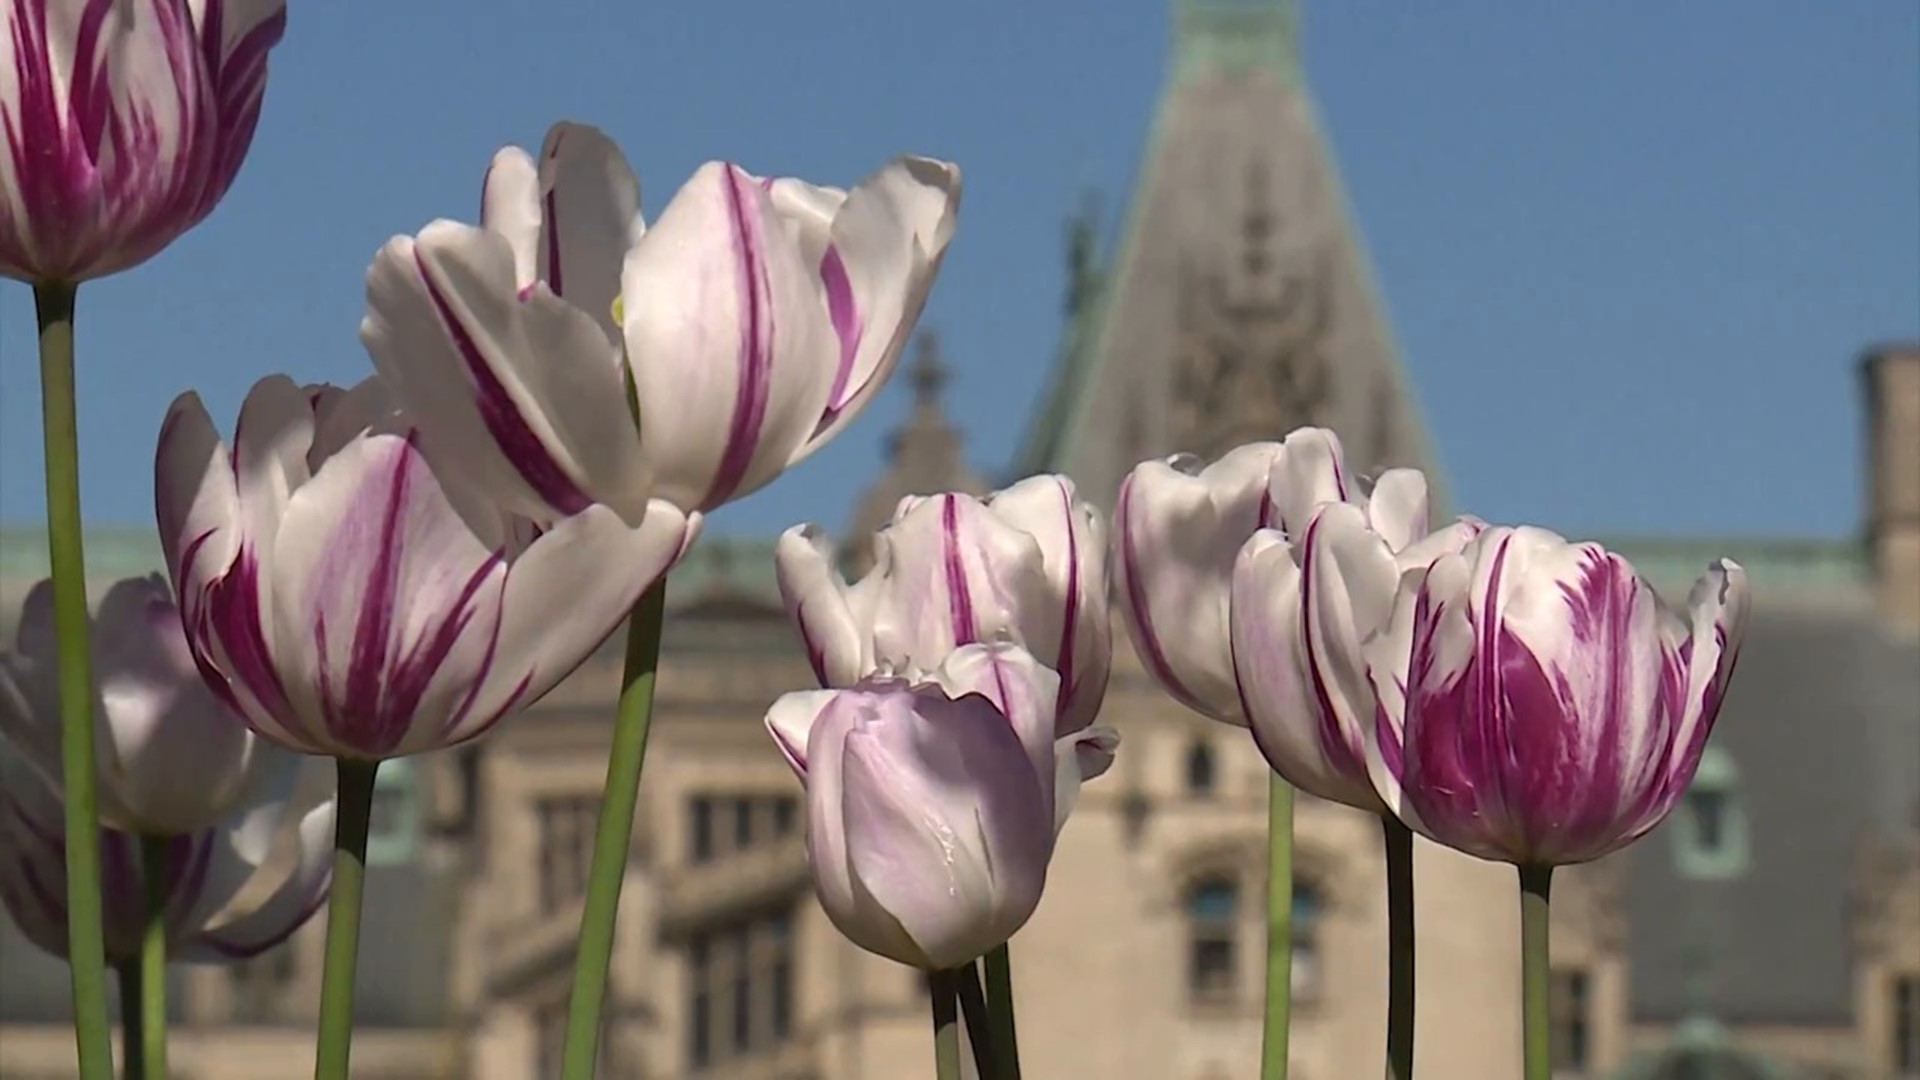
1214	36
924	457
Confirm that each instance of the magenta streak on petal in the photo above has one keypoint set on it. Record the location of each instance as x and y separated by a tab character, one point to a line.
753	390
230	628
959	595
846	321
511	432
1145	639
485	668
215	941
239	78
816	653
1068	635
1333	741
506	709
1485	722
1264	517
386	678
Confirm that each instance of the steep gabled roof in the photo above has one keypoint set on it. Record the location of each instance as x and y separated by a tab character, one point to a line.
1239	302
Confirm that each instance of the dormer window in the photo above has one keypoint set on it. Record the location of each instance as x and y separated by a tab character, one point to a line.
1201	772
1710	825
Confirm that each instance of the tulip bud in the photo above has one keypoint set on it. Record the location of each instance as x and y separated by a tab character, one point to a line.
1026	565
932	805
172	757
346	602
123	123
207	873
1539	703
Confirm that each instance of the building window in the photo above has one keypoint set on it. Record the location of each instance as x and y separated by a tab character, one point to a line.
1711	840
718	826
1906	1027
567	826
740	989
393	827
1709	809
1200	768
1570	1008
1213	915
1306	940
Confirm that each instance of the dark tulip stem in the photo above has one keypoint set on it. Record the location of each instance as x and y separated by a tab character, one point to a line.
973	1009
946	1025
1273	1044
152	1010
1400	943
1000	1012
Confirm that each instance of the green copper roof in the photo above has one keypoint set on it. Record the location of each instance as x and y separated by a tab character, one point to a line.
1214	36
1798	564
1703	1049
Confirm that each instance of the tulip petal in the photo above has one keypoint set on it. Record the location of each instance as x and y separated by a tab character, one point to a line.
817	599
728	340
510	206
1084	755
1018	686
1310	470
1074	636
195	501
1348	579
386	607
524	396
851	908
887	241
790	721
589	220
1177	529
1270	668
564	595
285	909
235	37
958	574
946	826
1397	507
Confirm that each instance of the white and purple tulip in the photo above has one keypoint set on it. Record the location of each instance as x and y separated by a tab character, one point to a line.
124	122
1539	703
1178	526
1306	597
206	871
348	602
933	802
746	327
172	758
1026	565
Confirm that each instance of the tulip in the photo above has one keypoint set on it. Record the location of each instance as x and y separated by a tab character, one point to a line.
347	602
1026	565
173	758
206	871
1300	612
933	800
124	123
746	327
1539	703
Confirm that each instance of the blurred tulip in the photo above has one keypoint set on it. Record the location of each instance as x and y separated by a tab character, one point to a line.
206	870
1539	703
1027	565
933	802
172	757
745	328
1302	609
348	603
124	122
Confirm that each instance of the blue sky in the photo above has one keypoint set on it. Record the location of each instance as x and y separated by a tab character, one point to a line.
1630	250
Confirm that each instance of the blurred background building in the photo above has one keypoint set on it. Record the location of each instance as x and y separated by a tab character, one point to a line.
1771	929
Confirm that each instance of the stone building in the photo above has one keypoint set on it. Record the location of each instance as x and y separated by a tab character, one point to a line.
1772	927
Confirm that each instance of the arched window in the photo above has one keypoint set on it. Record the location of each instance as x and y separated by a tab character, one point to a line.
1710	842
1200	768
1307	908
1213	923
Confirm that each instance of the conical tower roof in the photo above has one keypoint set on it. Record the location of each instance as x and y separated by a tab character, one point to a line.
1239	303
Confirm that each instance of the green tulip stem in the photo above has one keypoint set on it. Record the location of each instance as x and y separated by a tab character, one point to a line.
152	1012
973	1009
132	1066
613	835
1535	886
86	951
343	917
1000	1013
1399	857
946	1024
1273	1044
